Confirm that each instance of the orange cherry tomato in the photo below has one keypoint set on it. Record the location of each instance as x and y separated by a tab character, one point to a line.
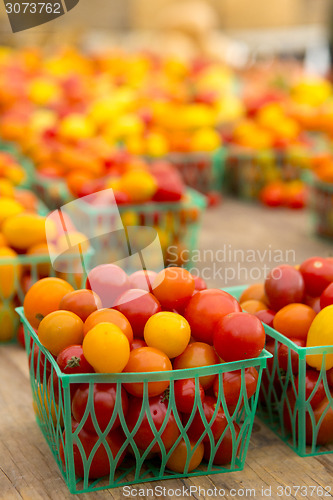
195	355
294	320
147	359
253	306
178	458
173	287
81	302
109	316
43	298
60	329
254	292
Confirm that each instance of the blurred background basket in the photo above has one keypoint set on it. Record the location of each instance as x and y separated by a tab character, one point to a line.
53	416
321	204
248	172
284	404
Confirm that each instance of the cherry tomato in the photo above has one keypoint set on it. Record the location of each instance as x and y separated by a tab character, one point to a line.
108	281
143	280
205	308
147	359
254	292
106	348
284	285
266	316
40	360
283	351
223	454
109	316
199	426
137	306
239	336
137	343
311	379
173	287
199	283
158	407
72	360
178	458
169	332
81	302
273	195
294	320
326	298
232	382
317	273
313	302
185	393
20	336
104	402
100	464
253	306
195	355
60	329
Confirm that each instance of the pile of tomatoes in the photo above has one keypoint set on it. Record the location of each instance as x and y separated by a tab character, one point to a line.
298	303
146	322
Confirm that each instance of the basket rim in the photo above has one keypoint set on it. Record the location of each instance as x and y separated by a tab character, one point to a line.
302	351
143	376
42	258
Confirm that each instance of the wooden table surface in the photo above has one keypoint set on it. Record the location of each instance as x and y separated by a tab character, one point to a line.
27	467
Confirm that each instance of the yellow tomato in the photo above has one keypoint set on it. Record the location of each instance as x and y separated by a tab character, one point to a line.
140	185
106	348
75	127
6	189
178	458
9	273
25	230
8	322
72	242
44	407
169	332
9	208
60	329
321	333
205	139
156	144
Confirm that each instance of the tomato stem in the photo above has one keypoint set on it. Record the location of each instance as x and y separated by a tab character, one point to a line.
73	362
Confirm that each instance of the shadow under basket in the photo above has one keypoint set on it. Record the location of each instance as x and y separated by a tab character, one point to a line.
284	405
128	464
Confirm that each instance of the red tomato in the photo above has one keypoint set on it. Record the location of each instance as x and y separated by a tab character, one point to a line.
311	379
158	407
199	426
239	336
317	273
313	302
104	402
266	316
284	285
223	454
108	281
137	306
198	354
185	394
143	280
326	298
20	336
173	287
39	360
205	308
147	359
273	195
100	464
137	343
232	382
72	360
199	283
294	359
81	302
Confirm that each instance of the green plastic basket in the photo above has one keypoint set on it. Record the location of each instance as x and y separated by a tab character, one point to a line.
247	172
54	420
285	408
19	273
321	205
201	171
177	225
